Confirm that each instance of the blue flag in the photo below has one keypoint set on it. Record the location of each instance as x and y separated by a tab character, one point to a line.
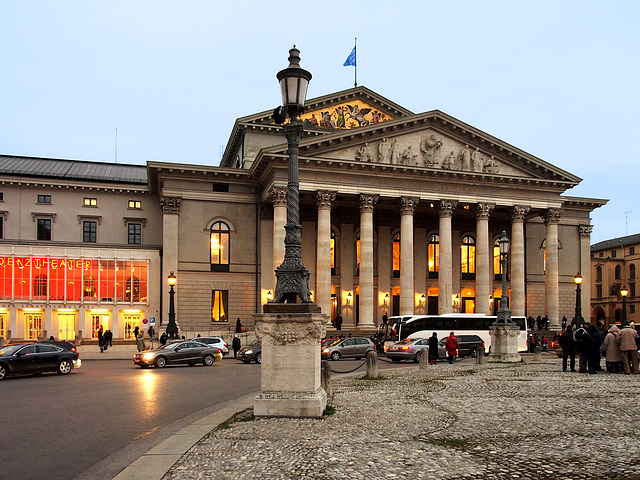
351	59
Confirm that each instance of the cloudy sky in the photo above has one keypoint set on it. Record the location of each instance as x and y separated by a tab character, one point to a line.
558	79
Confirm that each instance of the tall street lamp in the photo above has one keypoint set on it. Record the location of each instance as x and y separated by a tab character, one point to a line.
172	327
504	314
292	276
577	318
623	293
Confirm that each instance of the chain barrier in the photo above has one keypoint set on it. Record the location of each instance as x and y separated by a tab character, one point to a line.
360	366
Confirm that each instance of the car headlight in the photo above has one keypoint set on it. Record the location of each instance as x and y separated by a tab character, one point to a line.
147	356
326	350
248	352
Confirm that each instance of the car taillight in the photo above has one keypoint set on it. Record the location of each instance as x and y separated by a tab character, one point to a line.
405	347
386	347
482	345
74	350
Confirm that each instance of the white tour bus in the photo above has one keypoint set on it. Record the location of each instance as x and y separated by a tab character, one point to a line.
423	326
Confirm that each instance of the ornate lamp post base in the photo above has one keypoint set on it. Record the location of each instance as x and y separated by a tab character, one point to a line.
292	276
290	336
504	343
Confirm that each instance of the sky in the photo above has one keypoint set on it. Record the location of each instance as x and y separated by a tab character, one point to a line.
557	79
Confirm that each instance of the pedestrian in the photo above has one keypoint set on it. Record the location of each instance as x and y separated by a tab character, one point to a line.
433	349
591	348
385	322
236	344
568	349
136	331
140	342
564	323
238	325
627	341
108	336
338	322
539	322
545	322
611	350
451	343
101	340
163	339
543	343
151	333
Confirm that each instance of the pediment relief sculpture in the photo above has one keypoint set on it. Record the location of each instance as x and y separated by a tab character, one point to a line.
352	114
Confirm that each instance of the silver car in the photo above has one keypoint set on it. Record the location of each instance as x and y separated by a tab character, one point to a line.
356	347
217	342
411	349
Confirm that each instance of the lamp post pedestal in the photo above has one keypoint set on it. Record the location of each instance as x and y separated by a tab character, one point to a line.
290	380
504	343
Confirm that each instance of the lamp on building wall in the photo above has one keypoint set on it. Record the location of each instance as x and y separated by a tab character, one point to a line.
423	299
623	293
577	318
269	296
311	296
292	276
172	327
386	300
456	301
349	298
504	314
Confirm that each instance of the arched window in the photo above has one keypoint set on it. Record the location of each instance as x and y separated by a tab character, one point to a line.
396	255
598	275
497	264
433	253
468	257
618	272
220	247
632	272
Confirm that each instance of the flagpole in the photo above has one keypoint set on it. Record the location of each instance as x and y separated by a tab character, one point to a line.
355	63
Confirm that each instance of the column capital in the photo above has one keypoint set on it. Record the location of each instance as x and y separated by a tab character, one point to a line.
278	196
483	210
552	216
446	208
408	205
368	202
518	213
170	204
585	230
324	199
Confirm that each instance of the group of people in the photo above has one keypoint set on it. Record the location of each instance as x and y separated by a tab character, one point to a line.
451	345
105	339
542	323
619	347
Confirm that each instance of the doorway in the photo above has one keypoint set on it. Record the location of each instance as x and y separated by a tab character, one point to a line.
67	326
33	325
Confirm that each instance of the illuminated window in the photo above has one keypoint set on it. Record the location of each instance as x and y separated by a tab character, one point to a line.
40	286
433	251
468	257
219	306
132	286
89	287
90	202
220	247
396	255
33	325
333	253
135	204
497	264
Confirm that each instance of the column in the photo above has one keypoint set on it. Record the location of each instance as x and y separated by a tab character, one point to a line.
585	269
347	269
170	216
367	204
517	260
279	200
407	291
445	277
324	200
483	275
551	276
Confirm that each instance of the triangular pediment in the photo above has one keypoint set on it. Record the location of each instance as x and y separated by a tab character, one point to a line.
432	142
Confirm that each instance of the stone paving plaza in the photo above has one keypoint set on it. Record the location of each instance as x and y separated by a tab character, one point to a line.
463	421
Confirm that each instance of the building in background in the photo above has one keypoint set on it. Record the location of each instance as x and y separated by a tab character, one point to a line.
401	214
613	267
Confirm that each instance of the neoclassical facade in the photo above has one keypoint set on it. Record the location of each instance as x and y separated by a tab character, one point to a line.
401	214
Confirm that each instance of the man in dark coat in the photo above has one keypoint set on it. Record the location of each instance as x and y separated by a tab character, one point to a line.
568	349
433	349
338	322
236	344
591	348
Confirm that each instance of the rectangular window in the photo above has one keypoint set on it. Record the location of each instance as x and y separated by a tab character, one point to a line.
632	309
135	204
601	254
1	196
90	202
44	198
135	234
632	250
219	305
614	254
89	231
1	227
44	229
598	291
220	187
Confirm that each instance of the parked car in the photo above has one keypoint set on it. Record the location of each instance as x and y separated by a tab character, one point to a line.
327	342
470	345
250	354
62	344
186	352
217	342
356	347
36	358
411	349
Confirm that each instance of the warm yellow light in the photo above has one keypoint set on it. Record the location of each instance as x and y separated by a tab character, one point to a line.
66	309
99	310
578	279
490	298
349	296
31	309
624	292
386	299
171	279
423	299
269	295
131	311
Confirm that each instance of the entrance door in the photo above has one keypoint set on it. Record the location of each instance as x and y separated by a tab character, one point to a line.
98	321
131	320
432	305
67	326
4	324
32	325
468	305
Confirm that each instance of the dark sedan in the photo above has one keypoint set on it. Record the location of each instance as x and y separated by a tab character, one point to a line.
36	358
189	352
250	354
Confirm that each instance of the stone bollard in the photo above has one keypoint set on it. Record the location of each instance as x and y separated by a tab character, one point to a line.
325	378
79	338
372	365
1	342
537	353
423	360
480	356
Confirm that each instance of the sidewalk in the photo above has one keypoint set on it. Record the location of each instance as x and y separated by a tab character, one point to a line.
117	352
494	421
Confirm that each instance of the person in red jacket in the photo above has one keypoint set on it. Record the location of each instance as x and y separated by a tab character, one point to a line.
451	344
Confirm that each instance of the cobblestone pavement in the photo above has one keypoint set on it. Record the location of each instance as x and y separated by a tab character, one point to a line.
461	421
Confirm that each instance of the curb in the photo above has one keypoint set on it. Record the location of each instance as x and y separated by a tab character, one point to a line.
154	464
